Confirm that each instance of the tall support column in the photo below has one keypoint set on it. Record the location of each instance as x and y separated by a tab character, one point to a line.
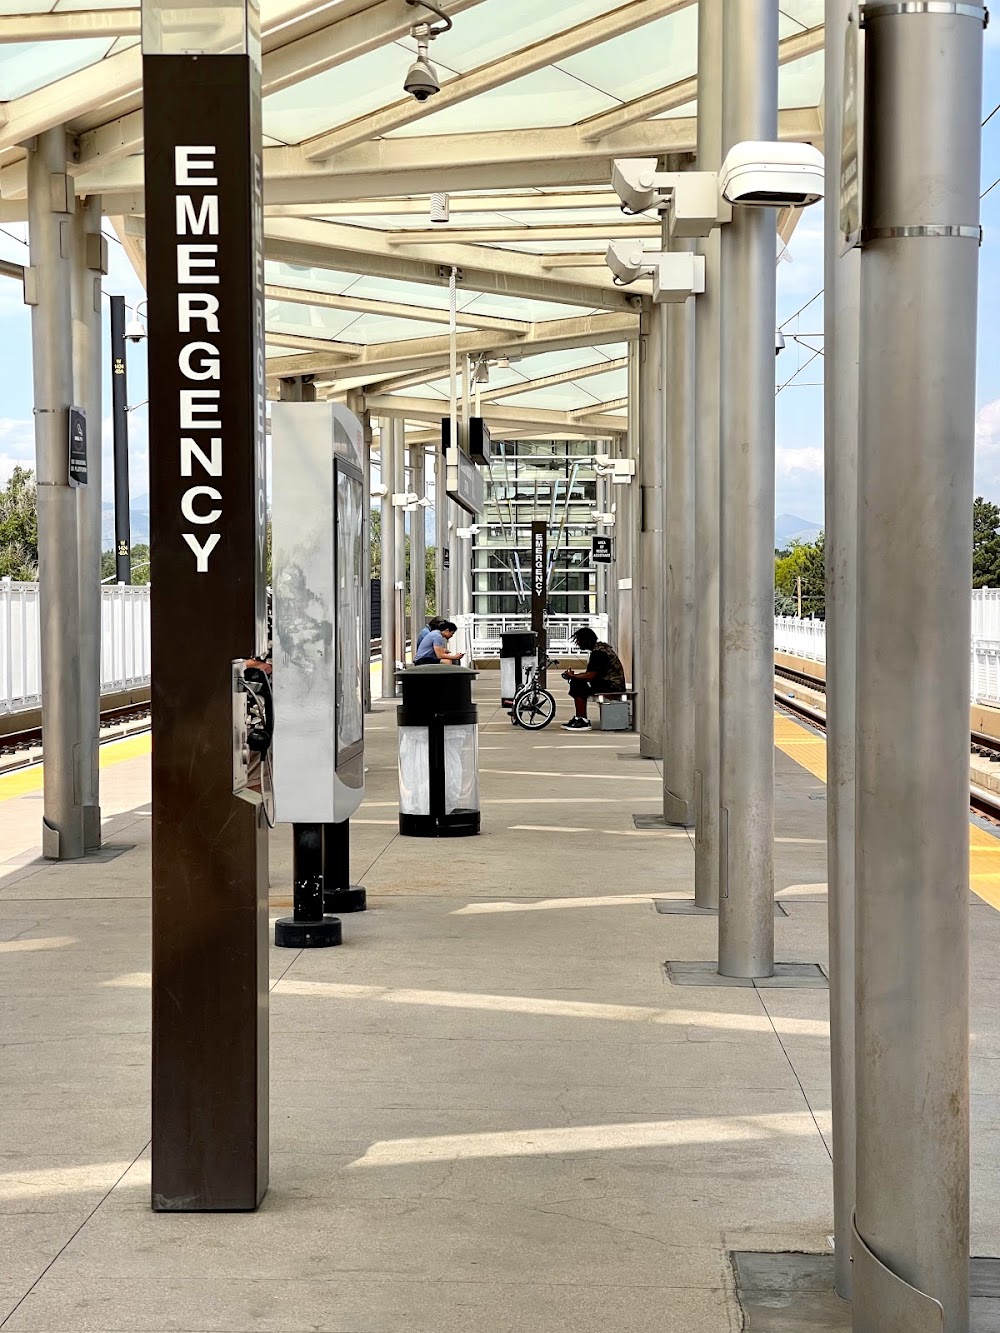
679	716
842	296
50	232
89	264
652	500
208	515
919	272
627	531
119	427
707	495
399	535
387	528
418	544
746	658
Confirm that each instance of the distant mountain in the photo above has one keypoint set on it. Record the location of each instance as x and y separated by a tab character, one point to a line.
790	528
139	513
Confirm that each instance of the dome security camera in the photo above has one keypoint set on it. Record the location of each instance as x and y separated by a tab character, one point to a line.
421	80
135	330
772	175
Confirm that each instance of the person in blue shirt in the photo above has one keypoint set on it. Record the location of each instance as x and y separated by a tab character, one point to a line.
435	622
434	646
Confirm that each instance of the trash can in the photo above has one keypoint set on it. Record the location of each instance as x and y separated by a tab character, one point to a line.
518	654
438	753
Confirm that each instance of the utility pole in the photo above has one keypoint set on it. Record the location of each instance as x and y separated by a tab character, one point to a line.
746	659
919	289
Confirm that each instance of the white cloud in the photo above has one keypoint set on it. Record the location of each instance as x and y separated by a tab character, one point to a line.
17	445
788	462
988	450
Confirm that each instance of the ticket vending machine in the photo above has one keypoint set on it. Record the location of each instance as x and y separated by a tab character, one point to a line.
317	543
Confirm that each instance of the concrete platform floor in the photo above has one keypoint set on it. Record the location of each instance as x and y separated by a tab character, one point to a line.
490	1110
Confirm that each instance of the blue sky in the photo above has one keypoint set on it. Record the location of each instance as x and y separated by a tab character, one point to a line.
799	407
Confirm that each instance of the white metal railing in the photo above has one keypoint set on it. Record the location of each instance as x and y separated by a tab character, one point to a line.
125	649
807	638
481	635
804	638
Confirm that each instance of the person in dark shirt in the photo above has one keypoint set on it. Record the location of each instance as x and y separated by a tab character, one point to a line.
603	674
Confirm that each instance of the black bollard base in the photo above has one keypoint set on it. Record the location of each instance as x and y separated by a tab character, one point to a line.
354	899
292	934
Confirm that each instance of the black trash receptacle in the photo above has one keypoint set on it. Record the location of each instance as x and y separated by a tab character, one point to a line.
518	654
438	753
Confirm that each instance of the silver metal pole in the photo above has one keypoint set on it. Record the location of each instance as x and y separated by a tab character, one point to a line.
679	804
919	273
626	530
746	657
399	535
387	529
442	507
707	494
89	264
652	501
842	295
418	544
49	289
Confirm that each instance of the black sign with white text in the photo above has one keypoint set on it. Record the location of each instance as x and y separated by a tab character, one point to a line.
204	229
602	550
539	585
77	447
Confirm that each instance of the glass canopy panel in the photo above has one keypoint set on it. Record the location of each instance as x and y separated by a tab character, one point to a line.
336	96
688	111
612	384
800	83
557	397
545	99
517	307
309	320
308	279
609	217
555	363
799	15
28	66
498	27
388	328
653	55
421	222
73	6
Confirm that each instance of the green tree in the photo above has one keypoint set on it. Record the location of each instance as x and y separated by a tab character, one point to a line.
19	527
140	565
805	561
985	544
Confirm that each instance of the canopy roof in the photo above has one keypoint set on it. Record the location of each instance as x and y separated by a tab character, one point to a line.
536	100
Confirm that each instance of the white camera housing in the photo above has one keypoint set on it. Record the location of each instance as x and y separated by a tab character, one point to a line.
772	175
637	183
628	261
677	276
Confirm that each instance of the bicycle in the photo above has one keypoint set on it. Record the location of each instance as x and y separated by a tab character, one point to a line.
534	707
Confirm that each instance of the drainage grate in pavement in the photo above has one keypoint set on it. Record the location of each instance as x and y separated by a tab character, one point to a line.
686	907
787	976
789	1293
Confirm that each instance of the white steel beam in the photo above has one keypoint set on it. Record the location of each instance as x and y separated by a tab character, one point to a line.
58	103
88	23
459	203
677	94
598	409
507	272
539	55
548	381
518	233
348	353
412	354
366	306
425	409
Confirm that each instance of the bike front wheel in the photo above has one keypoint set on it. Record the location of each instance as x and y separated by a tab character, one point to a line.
534	709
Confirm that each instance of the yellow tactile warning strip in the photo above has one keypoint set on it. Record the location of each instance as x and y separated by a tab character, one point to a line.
23	781
809	750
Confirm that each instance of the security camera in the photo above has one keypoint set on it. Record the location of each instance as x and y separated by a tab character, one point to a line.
637	183
135	330
772	175
421	81
627	261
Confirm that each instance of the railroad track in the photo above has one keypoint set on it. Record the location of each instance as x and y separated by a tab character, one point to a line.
981	801
16	742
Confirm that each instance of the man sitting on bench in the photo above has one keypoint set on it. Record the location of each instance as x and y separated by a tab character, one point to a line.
604	674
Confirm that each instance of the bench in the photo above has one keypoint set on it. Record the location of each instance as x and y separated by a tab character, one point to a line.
617	710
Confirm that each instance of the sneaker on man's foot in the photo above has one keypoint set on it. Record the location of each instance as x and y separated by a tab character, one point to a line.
577	724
